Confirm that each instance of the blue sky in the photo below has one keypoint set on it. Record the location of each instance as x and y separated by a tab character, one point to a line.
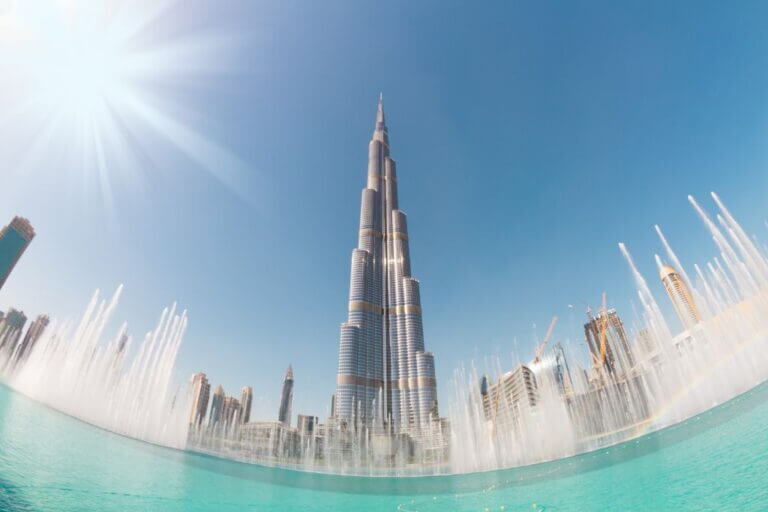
530	137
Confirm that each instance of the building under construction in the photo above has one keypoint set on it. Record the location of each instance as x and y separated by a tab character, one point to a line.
608	343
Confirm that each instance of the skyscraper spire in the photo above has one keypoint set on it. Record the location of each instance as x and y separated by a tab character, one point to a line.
381	347
380	110
380	132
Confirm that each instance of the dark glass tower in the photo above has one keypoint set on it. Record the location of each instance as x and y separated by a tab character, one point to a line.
384	371
286	398
217	406
10	330
34	332
14	239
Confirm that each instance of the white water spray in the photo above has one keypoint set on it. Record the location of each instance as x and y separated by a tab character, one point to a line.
664	378
674	376
77	373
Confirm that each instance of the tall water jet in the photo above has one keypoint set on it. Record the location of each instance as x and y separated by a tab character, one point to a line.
638	381
76	372
715	357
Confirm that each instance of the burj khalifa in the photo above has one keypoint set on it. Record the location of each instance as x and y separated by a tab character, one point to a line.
385	376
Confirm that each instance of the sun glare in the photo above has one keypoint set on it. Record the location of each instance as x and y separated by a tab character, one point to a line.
87	77
81	75
74	75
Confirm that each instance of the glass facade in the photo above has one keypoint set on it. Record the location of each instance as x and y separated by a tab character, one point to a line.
14	239
385	376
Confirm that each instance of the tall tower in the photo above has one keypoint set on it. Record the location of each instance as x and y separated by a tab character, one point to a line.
217	406
10	330
201	390
619	359
230	410
286	399
33	334
14	240
384	371
680	296
246	399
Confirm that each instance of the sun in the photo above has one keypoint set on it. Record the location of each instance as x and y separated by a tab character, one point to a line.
77	70
75	84
86	76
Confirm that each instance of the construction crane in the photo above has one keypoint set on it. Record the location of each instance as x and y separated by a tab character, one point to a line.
536	360
543	344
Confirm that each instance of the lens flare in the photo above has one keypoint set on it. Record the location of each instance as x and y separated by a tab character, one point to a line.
88	89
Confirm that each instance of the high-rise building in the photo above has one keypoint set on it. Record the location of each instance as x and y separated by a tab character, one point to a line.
305	424
217	406
384	371
515	392
681	297
201	390
10	329
14	240
553	367
246	400
644	341
619	359
33	334
286	398
230	410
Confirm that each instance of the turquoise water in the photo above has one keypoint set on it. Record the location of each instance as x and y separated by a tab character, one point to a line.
49	461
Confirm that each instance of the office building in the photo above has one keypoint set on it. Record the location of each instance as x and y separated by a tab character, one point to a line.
553	368
201	389
10	330
33	334
230	410
514	393
286	398
217	405
305	424
14	240
681	297
246	400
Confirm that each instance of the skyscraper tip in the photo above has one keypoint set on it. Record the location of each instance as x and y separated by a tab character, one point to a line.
380	121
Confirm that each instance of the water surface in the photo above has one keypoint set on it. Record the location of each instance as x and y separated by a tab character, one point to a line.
715	461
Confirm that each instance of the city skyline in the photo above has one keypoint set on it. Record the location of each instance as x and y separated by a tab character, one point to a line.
13	322
381	348
392	255
527	229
